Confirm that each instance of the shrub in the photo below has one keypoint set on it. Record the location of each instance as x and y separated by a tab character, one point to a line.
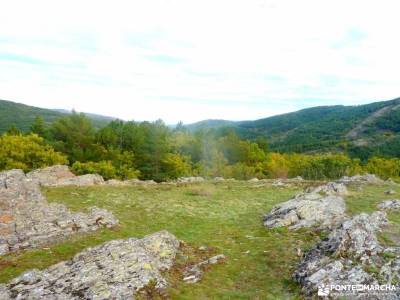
382	167
27	152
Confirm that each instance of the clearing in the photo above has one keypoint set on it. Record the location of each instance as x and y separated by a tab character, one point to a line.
224	216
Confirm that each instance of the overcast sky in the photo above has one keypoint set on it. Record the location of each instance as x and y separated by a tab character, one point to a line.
191	60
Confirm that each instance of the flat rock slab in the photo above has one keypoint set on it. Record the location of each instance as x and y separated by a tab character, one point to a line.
28	221
113	270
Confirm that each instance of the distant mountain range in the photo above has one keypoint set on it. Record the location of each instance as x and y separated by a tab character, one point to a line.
361	130
22	116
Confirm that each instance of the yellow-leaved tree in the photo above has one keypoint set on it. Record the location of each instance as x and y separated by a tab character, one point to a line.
27	152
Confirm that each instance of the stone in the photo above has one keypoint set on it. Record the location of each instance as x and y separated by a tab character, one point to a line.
28	221
254	180
307	210
343	257
114	270
390	192
331	188
361	179
190	179
390	205
194	273
51	175
218	179
61	176
83	180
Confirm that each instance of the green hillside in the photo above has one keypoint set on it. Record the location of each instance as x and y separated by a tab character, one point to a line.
361	130
22	116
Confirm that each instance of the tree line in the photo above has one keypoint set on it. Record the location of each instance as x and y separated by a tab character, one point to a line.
152	150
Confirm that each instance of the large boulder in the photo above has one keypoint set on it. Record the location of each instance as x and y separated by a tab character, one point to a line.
307	210
27	220
344	258
113	270
61	176
50	176
83	180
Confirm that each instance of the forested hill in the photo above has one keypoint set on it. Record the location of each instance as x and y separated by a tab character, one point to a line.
361	130
22	116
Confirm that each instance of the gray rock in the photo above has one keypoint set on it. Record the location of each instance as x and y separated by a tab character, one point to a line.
51	175
190	179
331	188
390	192
83	180
390	205
254	180
361	179
219	179
113	270
27	220
342	259
62	176
307	210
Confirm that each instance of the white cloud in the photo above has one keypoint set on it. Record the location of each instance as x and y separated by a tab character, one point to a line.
191	60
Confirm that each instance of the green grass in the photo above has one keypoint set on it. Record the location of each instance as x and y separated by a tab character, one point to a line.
226	217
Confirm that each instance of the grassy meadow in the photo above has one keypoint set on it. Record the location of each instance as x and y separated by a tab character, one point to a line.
226	217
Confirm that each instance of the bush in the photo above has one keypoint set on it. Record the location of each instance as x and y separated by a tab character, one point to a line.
103	168
27	152
384	168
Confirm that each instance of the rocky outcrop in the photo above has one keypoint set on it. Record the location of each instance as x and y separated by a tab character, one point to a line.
27	220
361	179
331	188
114	270
50	176
345	257
390	205
190	179
316	207
57	176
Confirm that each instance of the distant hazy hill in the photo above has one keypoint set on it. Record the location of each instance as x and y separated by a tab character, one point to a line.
361	129
23	115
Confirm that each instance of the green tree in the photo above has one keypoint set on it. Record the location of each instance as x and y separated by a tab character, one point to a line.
75	136
38	126
13	130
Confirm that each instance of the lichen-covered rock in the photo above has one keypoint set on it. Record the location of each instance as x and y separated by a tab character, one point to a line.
113	270
50	176
361	179
331	188
62	176
390	205
307	210
83	180
27	220
344	257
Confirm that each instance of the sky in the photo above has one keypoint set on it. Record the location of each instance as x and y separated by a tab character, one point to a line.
192	60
